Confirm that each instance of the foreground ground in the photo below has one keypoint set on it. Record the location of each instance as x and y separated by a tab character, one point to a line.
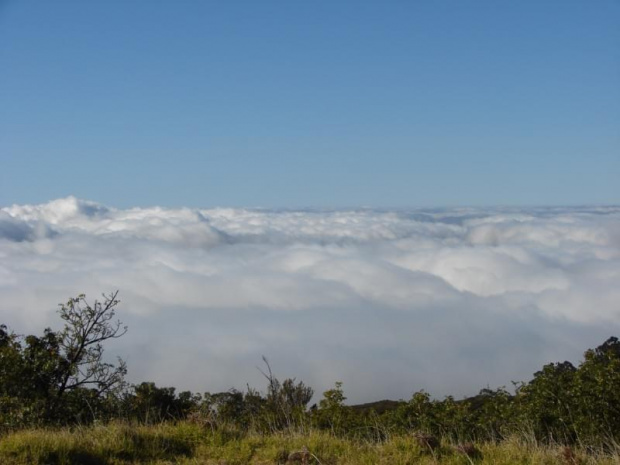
190	444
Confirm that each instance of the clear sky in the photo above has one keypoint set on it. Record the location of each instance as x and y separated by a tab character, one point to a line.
326	103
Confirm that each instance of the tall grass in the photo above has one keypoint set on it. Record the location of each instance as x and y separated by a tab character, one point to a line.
186	443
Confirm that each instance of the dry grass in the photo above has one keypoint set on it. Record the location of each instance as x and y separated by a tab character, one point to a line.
166	444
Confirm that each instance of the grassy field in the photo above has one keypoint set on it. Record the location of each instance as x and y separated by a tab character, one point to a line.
190	444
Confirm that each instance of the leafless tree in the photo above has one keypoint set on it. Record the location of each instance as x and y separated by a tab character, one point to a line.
86	328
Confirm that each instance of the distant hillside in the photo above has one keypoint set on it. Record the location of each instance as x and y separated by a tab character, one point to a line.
379	407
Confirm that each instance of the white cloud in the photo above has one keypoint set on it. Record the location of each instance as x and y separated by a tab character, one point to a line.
387	301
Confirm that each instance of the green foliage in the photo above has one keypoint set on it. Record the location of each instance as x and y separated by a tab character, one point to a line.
332	414
455	420
149	404
80	345
60	377
493	418
286	402
230	407
547	401
569	404
597	393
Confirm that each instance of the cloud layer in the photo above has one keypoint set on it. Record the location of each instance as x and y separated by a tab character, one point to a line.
388	301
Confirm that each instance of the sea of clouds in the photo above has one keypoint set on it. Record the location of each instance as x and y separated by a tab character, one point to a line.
387	301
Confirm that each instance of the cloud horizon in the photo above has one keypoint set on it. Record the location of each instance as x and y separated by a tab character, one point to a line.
389	301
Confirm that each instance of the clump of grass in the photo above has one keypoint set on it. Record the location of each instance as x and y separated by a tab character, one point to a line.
98	445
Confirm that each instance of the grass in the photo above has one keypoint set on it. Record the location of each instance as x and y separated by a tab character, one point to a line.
189	444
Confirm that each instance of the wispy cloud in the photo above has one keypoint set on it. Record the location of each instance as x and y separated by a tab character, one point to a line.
387	301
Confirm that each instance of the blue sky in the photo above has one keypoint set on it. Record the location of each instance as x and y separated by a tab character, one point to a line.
288	104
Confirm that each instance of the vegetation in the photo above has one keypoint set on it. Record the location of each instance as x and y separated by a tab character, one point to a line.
60	377
191	444
61	402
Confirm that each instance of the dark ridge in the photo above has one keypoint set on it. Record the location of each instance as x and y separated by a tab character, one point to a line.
379	407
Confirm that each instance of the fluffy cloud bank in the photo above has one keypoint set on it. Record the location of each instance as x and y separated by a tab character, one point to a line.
388	301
